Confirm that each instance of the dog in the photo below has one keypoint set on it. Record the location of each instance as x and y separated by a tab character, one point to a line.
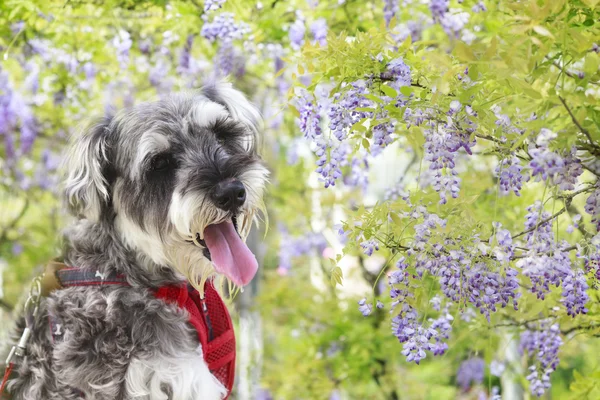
163	192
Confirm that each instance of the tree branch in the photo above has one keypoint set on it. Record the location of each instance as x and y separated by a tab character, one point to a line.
518	323
581	128
14	222
570	74
542	222
7	306
490	138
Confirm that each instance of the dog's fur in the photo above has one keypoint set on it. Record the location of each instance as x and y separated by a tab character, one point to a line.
121	342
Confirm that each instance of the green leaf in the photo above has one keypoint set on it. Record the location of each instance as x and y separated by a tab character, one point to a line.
591	3
389	91
543	31
463	52
374	98
406	90
337	276
397	220
294	111
592	62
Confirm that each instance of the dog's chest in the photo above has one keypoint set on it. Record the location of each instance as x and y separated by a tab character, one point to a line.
120	311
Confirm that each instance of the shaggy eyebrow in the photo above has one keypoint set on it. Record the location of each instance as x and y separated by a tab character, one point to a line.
228	127
150	144
205	114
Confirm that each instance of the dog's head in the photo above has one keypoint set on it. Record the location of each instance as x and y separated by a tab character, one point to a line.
179	179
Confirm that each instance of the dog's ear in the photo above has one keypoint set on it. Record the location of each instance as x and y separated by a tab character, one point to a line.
86	165
237	104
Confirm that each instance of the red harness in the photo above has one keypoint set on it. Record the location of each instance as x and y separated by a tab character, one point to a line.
209	317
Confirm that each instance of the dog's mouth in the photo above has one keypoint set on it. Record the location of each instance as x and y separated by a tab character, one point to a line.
201	243
222	244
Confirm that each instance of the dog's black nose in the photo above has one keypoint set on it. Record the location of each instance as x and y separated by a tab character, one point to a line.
229	195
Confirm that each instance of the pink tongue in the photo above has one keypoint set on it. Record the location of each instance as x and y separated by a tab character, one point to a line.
229	253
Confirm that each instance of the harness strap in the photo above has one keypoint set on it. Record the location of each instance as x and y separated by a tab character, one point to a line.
70	277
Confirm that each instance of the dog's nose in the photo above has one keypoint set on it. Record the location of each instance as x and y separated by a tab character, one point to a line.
229	195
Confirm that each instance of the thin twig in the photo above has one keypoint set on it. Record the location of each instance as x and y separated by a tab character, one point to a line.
490	138
573	194
14	222
579	328
519	323
6	305
581	128
525	255
542	222
570	74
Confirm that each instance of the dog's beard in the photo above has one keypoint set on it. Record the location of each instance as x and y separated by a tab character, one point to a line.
213	242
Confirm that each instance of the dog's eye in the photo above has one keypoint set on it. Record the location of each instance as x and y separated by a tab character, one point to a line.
161	162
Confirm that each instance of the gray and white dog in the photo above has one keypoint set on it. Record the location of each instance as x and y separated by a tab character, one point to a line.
163	191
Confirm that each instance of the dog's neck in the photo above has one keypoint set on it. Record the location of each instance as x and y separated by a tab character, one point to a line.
99	247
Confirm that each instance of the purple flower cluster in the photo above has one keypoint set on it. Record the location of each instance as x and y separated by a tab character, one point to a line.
390	9
294	247
319	31
546	164
424	229
358	176
547	264
185	56
330	167
487	289
461	281
542	346
479	7
15	113
440	151
438	9
309	121
417	338
442	144
545	271
225	30
537	221
470	372
400	72
382	136
211	5
122	43
511	177
396	192
297	32
224	27
497	368
365	308
454	23
574	293
592	207
344	110
370	246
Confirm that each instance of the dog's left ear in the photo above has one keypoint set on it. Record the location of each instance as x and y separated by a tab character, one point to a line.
237	104
86	185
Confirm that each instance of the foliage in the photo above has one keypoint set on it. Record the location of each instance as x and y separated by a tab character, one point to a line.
435	160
